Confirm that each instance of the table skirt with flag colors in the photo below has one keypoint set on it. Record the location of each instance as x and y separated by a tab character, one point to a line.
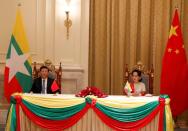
67	112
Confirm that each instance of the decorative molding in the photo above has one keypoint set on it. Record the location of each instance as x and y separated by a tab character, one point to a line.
49	33
68	61
72	82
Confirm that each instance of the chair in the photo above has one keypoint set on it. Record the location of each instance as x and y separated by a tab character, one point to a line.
54	73
147	76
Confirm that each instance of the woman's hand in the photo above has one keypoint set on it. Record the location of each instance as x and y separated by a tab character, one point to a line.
143	93
126	90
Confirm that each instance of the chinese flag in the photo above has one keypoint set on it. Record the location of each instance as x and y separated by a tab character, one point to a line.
54	86
174	75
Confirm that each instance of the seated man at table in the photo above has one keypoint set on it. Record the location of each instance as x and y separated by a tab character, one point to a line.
137	87
44	84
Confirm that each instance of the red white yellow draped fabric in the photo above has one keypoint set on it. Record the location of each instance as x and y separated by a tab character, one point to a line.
57	112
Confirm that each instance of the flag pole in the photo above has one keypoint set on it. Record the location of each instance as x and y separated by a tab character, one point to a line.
176	6
176	117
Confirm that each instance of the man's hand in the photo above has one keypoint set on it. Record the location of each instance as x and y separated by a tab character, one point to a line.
135	94
55	94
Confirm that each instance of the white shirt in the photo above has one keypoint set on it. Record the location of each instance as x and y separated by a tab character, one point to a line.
139	87
45	85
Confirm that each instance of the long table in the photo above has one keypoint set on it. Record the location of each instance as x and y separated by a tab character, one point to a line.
37	112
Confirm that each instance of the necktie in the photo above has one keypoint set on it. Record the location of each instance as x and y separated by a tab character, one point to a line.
43	87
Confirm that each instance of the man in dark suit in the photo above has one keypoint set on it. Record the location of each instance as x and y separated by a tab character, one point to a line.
43	83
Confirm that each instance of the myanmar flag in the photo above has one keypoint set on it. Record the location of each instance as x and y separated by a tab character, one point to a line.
18	71
174	75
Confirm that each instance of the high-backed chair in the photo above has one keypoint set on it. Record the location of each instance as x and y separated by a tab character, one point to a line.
54	73
147	76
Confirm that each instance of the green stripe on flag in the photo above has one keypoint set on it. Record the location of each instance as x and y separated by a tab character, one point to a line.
25	81
13	118
28	67
164	121
16	46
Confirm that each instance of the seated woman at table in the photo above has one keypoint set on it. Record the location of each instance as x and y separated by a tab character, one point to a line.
137	87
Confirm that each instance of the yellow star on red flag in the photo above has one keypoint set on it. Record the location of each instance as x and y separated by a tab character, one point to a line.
169	50
177	51
173	31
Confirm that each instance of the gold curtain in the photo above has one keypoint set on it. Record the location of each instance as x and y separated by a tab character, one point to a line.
127	31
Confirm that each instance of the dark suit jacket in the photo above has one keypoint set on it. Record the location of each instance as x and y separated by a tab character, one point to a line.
37	86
